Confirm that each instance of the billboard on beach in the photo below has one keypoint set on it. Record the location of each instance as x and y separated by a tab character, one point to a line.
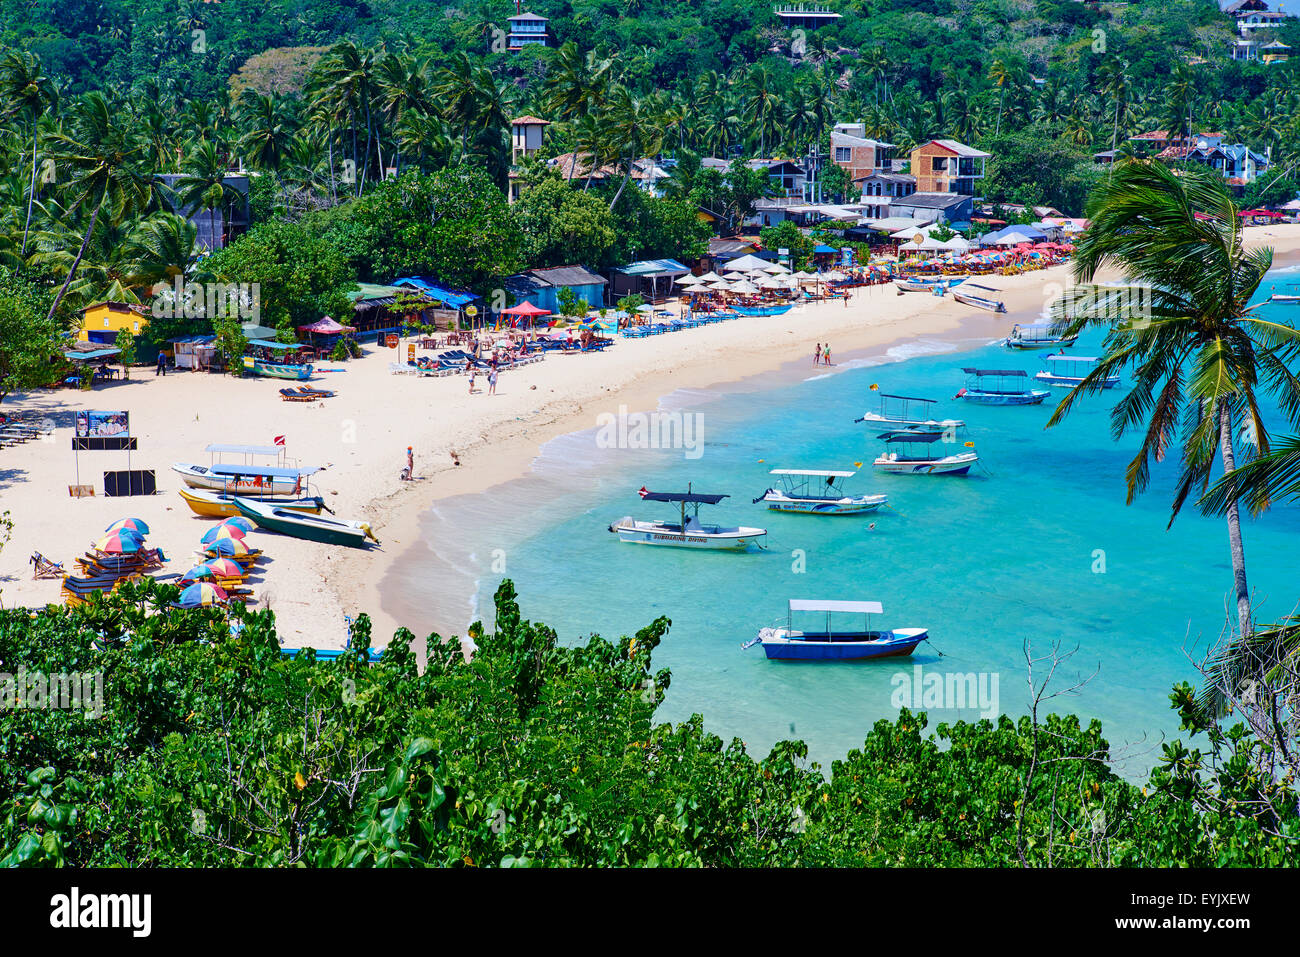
103	424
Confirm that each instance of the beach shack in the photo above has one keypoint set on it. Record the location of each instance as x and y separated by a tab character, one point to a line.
102	321
651	279
453	302
193	352
542	287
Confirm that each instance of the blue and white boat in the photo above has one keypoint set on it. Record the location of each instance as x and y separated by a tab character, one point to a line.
1000	387
908	412
787	643
1066	372
1036	335
828	498
688	531
773	310
913	452
930	284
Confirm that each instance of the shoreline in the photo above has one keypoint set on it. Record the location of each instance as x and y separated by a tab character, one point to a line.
359	437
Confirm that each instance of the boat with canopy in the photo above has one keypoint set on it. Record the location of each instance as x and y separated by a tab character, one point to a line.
1000	387
1036	335
688	531
908	412
788	643
1066	372
912	452
261	479
827	497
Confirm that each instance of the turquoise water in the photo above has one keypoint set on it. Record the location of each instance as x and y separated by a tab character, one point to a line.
1037	546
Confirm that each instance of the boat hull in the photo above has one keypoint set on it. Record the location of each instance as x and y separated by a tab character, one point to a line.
313	528
979	302
651	533
221	505
195	476
762	310
1069	382
274	370
1033	397
843	506
949	465
819	646
1038	343
916	425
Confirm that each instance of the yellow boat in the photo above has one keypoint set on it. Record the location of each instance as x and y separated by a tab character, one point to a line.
211	504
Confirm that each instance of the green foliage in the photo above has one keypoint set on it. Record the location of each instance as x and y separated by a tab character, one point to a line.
27	339
529	754
562	226
786	235
1028	171
125	341
302	275
231	344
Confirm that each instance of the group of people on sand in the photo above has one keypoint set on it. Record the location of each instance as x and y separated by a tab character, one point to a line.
822	355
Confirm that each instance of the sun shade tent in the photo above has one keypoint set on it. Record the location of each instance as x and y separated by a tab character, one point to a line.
817	472
858	607
690	498
326	327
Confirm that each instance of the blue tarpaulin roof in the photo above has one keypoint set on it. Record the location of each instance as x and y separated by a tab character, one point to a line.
653	267
825	249
96	354
435	290
195	339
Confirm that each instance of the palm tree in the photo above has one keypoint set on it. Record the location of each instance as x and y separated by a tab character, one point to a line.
763	106
268	130
1001	75
404	91
1203	354
203	185
100	164
637	129
25	90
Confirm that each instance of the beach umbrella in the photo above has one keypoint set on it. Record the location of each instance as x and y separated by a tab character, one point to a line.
709	276
745	287
687	280
222	531
119	543
229	546
775	268
224	568
130	525
201	594
238	521
197	572
734	276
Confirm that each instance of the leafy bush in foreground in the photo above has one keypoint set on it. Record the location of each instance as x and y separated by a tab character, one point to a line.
215	750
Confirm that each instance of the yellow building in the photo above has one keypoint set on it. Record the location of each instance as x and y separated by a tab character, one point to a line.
102	321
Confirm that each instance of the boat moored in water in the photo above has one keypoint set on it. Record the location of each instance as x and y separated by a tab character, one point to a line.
900	412
1036	335
1000	387
1066	372
790	644
798	494
689	531
911	452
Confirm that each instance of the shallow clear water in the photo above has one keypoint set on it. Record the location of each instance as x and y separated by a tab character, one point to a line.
1037	545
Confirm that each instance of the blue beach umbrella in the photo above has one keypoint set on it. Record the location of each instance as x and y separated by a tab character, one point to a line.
201	594
223	530
198	572
240	522
130	525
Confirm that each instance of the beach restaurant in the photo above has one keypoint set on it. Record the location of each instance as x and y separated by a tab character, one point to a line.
651	279
453	301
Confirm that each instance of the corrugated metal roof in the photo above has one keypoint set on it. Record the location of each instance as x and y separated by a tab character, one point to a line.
568	276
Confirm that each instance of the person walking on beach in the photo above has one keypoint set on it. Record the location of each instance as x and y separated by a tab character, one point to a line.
492	382
410	463
817	355
472	372
162	365
826	355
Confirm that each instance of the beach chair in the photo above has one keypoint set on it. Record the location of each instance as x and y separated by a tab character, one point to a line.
44	568
289	395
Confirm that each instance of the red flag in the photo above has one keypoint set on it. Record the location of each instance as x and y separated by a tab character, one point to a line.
643	491
279	440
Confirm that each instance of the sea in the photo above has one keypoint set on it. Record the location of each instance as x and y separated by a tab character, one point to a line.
1033	576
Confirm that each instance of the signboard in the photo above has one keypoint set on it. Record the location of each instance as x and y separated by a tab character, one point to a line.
846	255
410	352
471	310
391	341
103	424
783	252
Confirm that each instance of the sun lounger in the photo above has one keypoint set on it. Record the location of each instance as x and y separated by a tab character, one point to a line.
289	395
44	568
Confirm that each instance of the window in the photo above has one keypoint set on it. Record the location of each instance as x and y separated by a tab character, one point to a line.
843	154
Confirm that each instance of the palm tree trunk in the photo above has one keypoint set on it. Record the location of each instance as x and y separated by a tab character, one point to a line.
1234	524
31	194
76	263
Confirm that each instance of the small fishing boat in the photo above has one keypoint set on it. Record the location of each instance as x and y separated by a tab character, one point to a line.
222	504
798	495
1036	335
897	411
1000	387
1293	300
330	531
1066	372
259	479
773	310
912	452
975	299
927	283
788	643
689	531
278	370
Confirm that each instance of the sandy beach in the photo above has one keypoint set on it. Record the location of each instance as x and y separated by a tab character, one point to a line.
360	437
